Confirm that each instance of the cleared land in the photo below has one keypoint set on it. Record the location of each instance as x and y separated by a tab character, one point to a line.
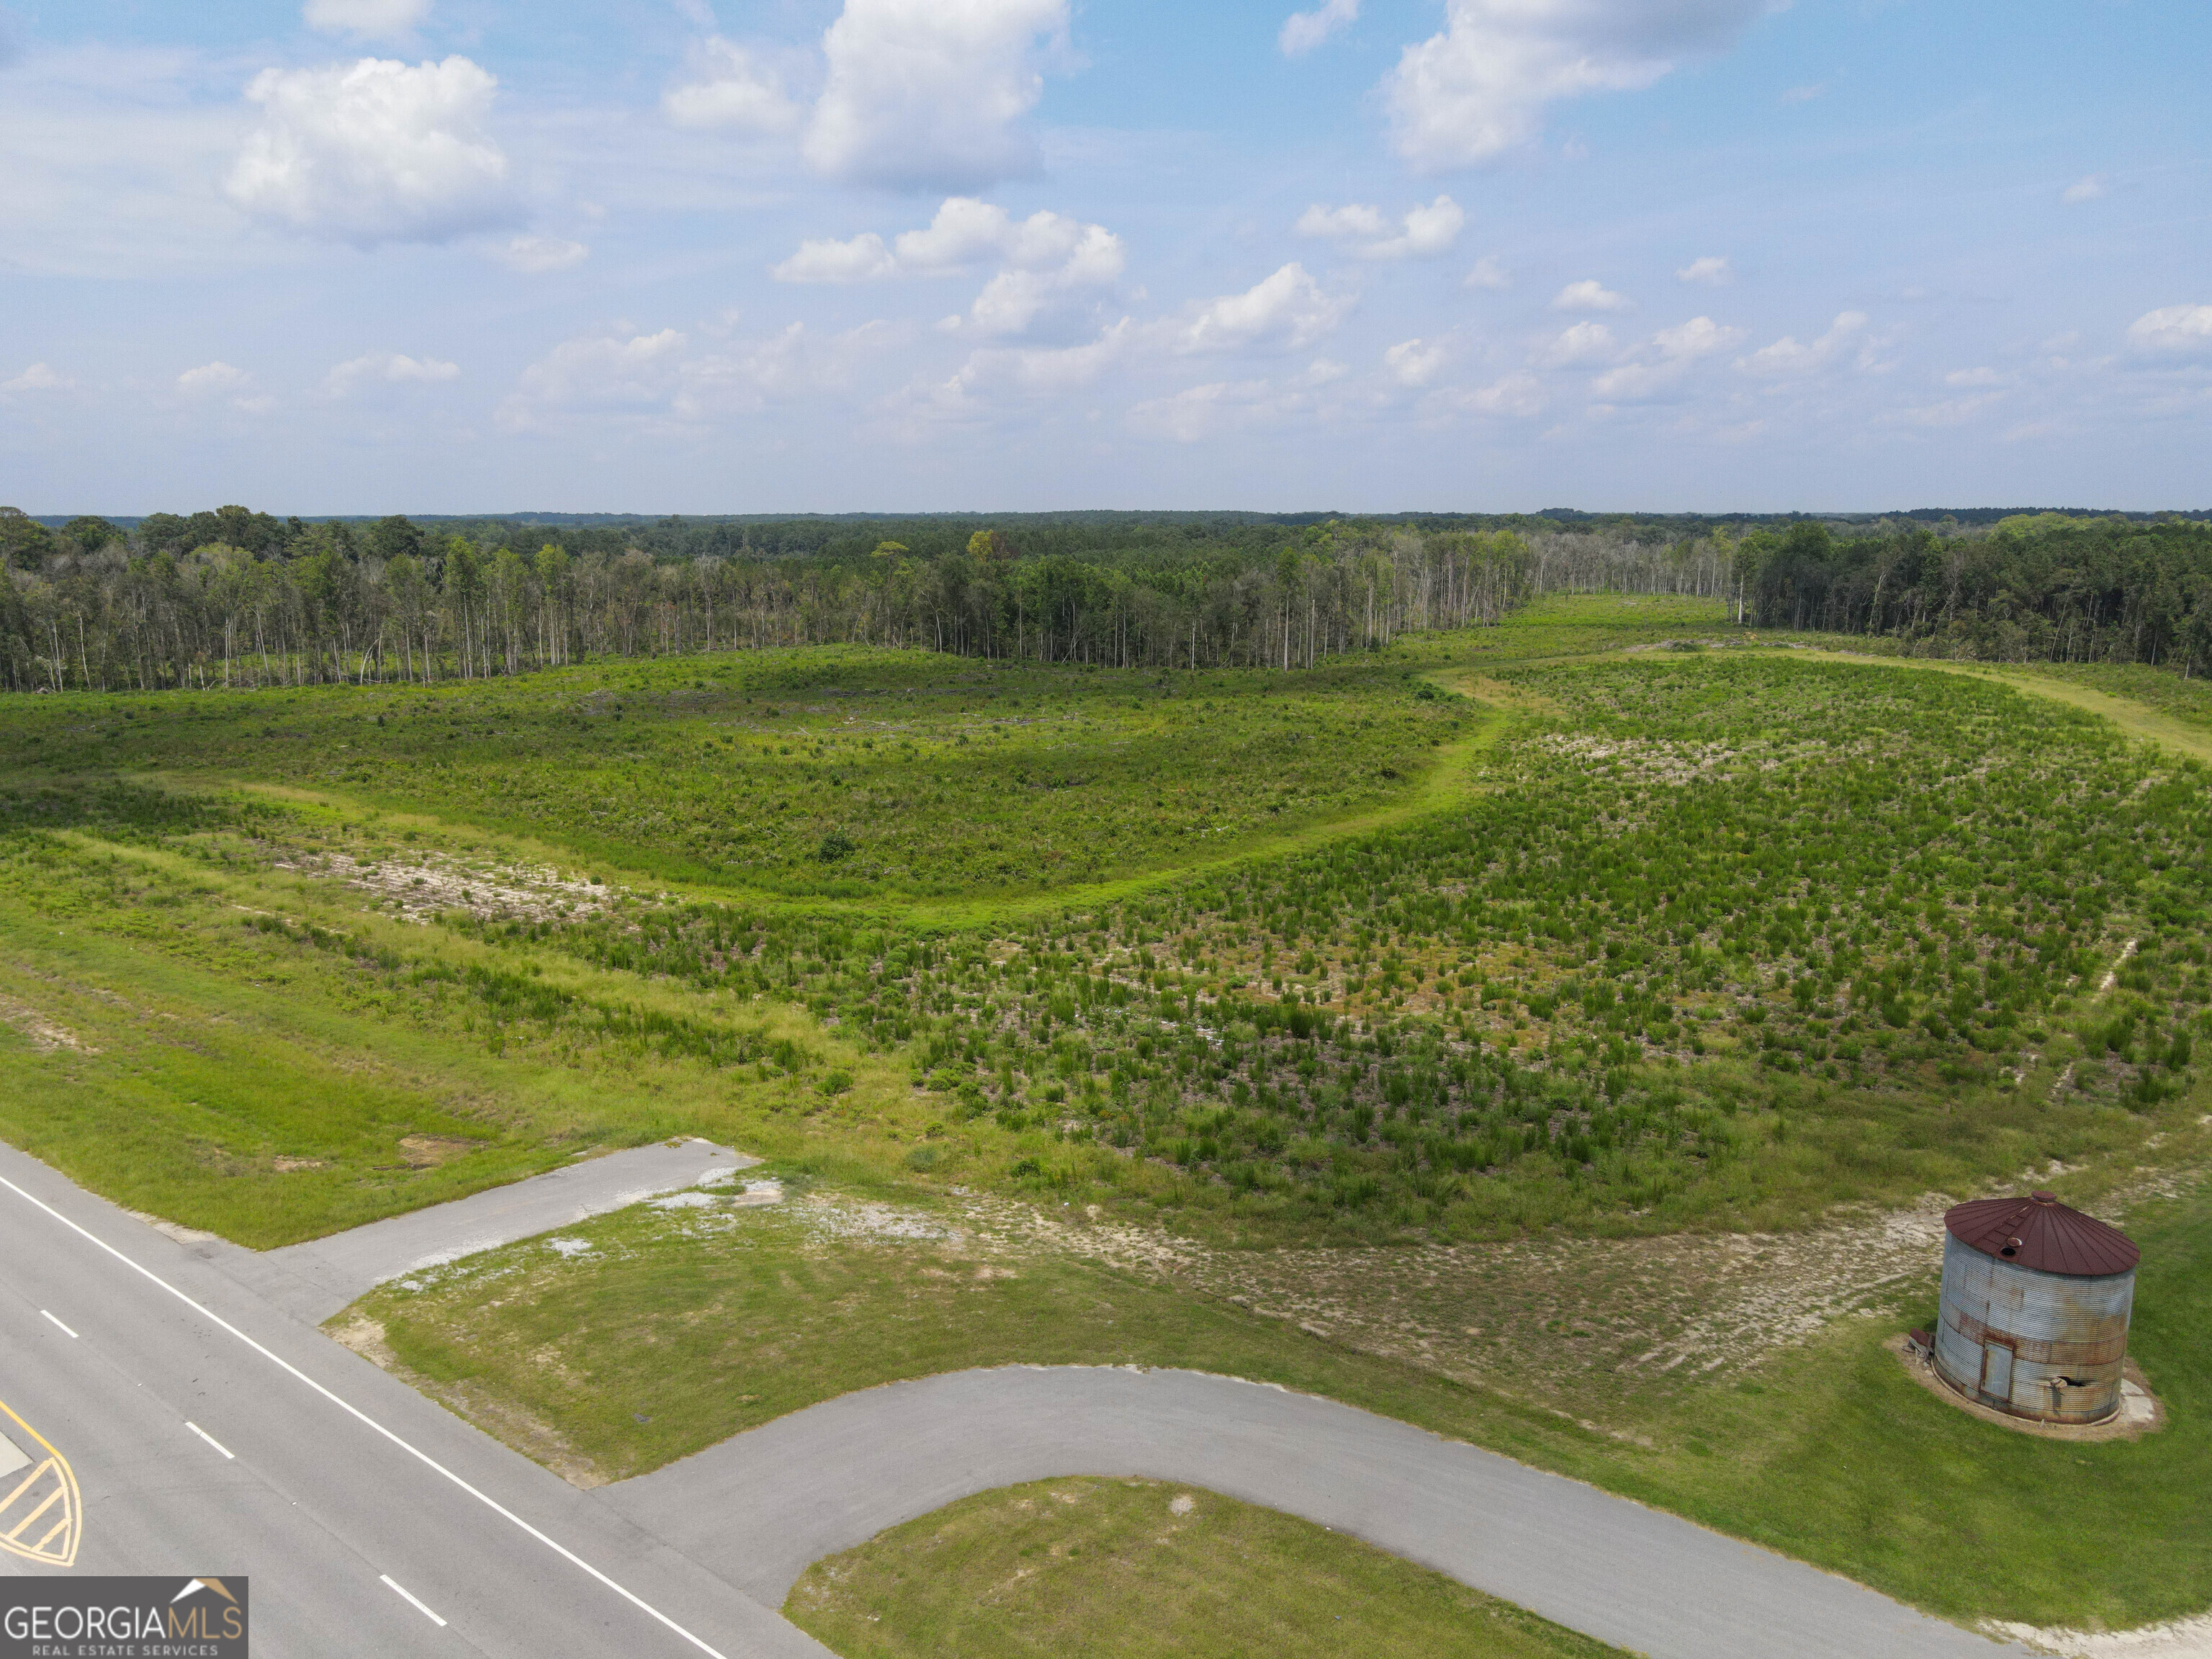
1130	1569
1473	1070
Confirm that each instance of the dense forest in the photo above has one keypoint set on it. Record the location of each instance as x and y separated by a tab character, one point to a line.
2042	587
235	598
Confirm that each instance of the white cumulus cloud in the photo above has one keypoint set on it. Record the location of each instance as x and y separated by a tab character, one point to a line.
932	92
1481	85
1490	273
730	88
533	256
1579	345
374	151
1590	294
1304	30
1413	363
365	19
2173	330
1710	271
1288	308
860	258
39	377
1199	412
622	368
1699	337
625	373
1788	355
2090	189
1660	365
1042	259
1422	233
1520	395
210	377
391	368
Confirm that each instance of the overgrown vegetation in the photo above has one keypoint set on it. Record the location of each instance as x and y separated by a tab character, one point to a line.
1679	938
1594	922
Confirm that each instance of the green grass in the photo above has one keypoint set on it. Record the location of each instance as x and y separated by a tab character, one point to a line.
1664	938
1632	942
168	1038
705	1322
1113	1568
832	771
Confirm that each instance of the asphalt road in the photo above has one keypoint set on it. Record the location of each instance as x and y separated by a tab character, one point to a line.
759	1508
337	1477
329	1273
213	1430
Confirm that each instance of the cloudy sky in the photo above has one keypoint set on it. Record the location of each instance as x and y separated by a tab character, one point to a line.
699	256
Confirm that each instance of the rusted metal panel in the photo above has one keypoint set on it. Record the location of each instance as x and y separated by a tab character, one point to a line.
2036	1344
2039	1231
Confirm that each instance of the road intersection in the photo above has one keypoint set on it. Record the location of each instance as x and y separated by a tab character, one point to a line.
210	1427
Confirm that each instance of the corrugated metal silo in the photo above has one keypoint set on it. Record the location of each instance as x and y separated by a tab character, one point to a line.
2036	1299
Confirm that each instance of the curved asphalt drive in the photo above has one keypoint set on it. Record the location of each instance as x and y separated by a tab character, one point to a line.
213	1428
758	1509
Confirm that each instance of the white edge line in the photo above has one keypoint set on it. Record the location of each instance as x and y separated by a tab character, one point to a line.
212	1441
414	1601
354	1411
65	1329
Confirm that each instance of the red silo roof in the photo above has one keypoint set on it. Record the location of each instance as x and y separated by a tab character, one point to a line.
2038	1231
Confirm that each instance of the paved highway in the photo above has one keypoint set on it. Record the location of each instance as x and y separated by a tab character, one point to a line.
213	1430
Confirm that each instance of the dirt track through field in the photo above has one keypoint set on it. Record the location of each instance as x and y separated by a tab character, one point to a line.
2135	718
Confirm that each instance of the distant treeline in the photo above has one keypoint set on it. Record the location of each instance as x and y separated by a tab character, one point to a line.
2038	587
235	598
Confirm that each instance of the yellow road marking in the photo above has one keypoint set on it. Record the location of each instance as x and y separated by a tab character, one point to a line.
58	1546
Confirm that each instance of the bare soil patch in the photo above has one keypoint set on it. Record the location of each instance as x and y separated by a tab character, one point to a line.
43	1034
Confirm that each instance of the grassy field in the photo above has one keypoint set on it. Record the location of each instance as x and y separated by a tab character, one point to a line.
843	772
1133	1569
704	1322
1595	926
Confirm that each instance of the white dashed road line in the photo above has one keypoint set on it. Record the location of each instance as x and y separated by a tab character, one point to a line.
62	1328
212	1441
368	1422
411	1599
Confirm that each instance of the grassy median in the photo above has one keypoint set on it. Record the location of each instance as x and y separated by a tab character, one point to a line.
1138	1569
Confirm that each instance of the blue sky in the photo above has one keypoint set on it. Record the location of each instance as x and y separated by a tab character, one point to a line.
819	255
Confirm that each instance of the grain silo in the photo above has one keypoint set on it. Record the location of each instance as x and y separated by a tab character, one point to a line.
2036	1298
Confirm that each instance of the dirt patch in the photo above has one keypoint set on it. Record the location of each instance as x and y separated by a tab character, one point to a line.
416	886
428	1151
174	1229
42	1034
496	1415
2184	1638
1535	1319
290	1165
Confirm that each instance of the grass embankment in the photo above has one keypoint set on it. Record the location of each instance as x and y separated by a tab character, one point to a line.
703	1323
1137	1569
246	1050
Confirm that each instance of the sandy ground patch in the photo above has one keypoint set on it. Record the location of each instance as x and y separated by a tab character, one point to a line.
43	1034
415	886
2183	1638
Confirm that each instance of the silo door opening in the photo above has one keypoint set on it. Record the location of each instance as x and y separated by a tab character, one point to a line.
1996	1371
